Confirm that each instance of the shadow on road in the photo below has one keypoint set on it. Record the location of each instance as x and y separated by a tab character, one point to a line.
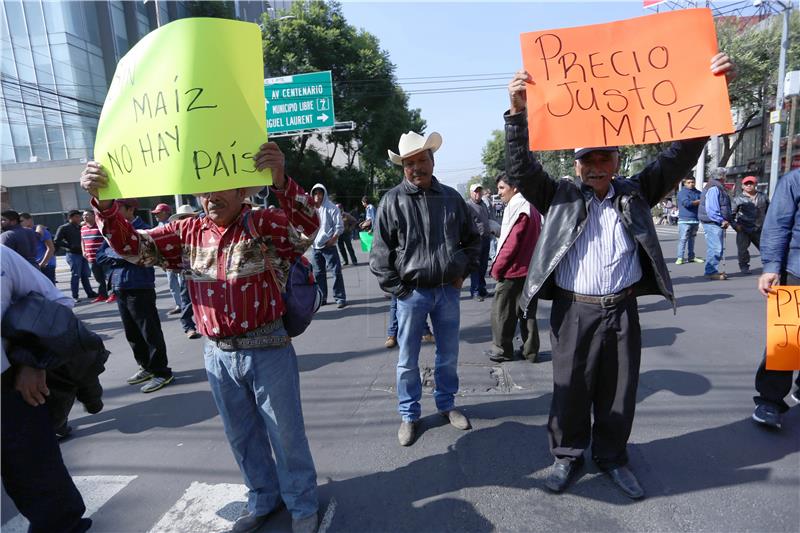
164	411
654	337
683	301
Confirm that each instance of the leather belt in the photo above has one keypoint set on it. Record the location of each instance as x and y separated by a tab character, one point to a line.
605	301
255	338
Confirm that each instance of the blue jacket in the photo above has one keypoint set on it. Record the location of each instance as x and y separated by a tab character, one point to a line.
715	204
780	236
686	211
126	275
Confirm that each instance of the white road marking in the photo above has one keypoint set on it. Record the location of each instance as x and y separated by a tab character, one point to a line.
204	507
96	491
327	519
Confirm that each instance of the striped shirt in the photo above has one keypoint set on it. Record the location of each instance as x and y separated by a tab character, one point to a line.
92	241
604	259
234	286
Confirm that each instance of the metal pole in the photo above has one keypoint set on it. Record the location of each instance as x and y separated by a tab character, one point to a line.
776	128
787	164
700	169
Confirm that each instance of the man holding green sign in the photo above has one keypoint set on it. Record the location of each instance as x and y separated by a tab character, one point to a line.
187	122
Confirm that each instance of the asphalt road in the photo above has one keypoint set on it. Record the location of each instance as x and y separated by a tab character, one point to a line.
160	462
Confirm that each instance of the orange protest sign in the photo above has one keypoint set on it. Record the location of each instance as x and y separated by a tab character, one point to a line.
783	328
636	81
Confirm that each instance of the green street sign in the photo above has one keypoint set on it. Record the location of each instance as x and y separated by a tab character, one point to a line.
299	102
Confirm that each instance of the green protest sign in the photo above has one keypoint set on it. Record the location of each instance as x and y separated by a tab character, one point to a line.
299	102
185	113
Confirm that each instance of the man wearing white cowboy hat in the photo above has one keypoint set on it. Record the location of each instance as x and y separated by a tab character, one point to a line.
236	295
425	244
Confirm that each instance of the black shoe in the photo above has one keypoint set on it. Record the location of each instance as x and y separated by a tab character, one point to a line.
560	474
497	357
625	480
93	406
768	415
341	305
63	431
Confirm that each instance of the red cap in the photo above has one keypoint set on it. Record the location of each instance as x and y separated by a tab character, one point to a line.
749	179
162	208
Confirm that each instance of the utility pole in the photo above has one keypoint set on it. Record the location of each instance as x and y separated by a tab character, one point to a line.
776	116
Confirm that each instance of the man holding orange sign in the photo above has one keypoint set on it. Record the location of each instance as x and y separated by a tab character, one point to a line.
780	255
597	252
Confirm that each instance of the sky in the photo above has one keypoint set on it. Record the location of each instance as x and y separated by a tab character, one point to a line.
477	42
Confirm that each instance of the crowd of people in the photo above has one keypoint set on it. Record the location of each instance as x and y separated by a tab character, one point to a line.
587	243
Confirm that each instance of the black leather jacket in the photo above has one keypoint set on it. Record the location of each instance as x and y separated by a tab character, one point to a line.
750	213
423	238
563	204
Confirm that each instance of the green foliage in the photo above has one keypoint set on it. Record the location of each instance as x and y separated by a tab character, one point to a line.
211	8
493	155
314	36
755	50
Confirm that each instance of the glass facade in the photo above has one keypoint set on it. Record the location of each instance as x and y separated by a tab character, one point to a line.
56	62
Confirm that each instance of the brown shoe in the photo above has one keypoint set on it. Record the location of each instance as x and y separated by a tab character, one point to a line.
717	276
428	338
456	419
391	341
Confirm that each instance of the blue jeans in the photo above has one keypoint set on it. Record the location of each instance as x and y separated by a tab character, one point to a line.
79	268
477	284
442	304
686	235
328	259
257	393
175	287
391	331
715	246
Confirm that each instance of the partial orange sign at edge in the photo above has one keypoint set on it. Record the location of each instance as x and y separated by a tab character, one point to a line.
783	328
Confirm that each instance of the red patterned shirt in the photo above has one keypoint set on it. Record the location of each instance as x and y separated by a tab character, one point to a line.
233	285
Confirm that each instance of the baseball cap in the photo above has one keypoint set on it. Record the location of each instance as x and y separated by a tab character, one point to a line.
130	202
160	208
749	179
475	186
580	152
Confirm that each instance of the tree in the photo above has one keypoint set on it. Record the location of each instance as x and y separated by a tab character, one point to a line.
314	36
493	155
754	48
214	9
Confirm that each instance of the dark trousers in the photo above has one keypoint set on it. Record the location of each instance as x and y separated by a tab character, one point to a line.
506	314
774	385
596	354
99	273
79	269
328	259
34	474
137	308
187	313
345	244
477	284
50	272
744	239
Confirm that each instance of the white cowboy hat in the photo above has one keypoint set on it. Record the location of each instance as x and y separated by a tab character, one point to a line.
183	211
412	143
